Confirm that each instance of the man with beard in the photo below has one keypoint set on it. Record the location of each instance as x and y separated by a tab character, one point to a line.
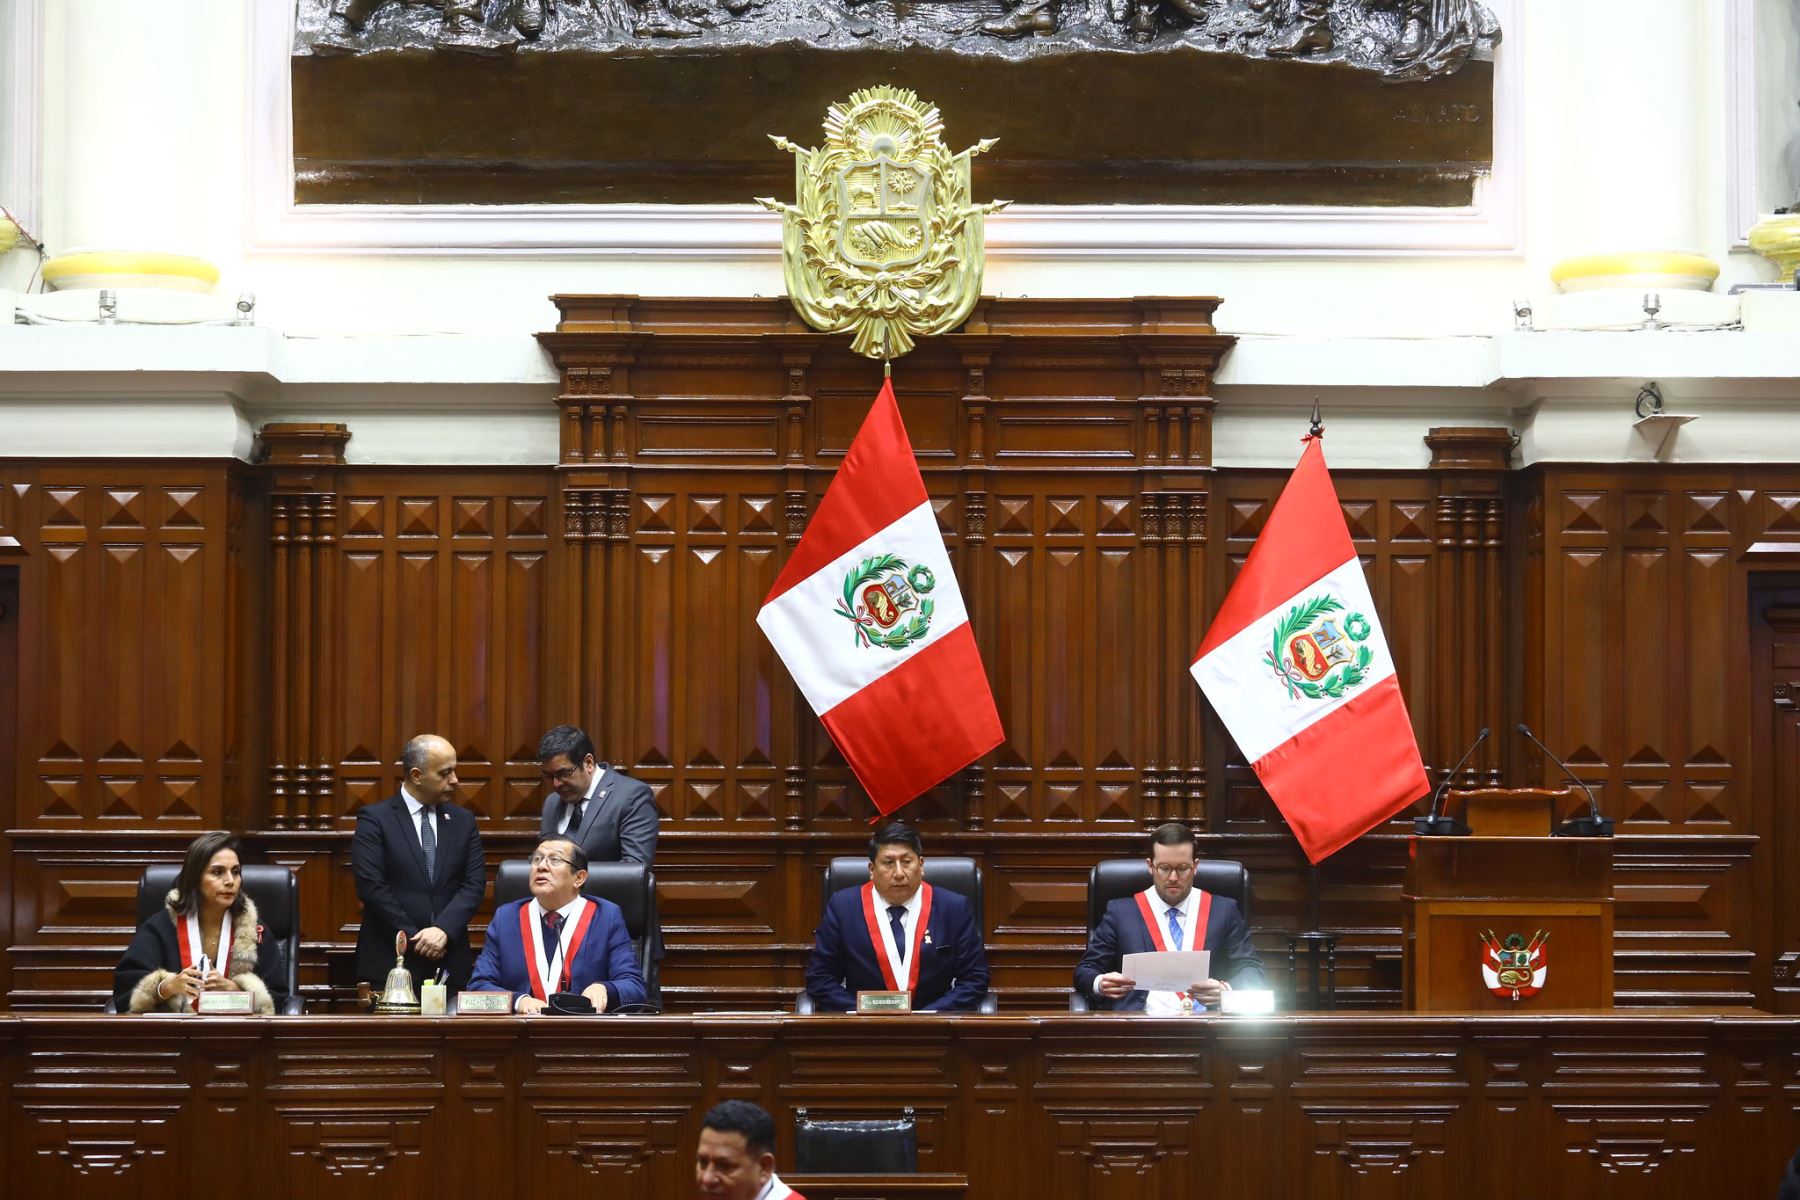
1172	914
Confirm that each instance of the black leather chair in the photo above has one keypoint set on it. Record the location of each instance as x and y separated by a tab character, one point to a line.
276	894
878	1146
1114	878
631	886
954	873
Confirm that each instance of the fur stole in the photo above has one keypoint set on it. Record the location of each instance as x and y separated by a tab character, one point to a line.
240	967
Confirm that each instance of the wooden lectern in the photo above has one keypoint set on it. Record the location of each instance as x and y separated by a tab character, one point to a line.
1512	899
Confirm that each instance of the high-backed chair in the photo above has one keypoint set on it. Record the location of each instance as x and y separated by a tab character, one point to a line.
864	1146
1114	878
631	886
955	873
276	894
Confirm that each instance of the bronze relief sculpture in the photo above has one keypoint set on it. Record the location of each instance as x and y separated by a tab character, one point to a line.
1409	39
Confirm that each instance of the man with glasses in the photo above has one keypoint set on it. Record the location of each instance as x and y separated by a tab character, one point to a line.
1172	914
559	940
612	817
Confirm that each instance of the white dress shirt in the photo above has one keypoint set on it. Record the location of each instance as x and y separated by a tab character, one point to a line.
571	912
413	809
909	922
568	813
1168	1004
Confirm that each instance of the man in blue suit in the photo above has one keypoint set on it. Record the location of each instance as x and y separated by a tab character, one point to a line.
897	933
1172	914
559	940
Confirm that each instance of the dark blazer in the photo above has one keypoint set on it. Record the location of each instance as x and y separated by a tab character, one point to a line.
953	972
397	895
1121	931
605	956
156	950
618	825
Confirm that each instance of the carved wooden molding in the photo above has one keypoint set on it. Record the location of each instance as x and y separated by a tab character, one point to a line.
303	444
1470	448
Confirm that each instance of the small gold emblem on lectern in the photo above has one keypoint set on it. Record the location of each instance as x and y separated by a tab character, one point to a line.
884	241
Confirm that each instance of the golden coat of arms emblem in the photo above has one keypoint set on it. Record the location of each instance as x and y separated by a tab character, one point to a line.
884	242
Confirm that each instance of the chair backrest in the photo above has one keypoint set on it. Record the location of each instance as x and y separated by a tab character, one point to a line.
276	894
877	1146
956	873
631	886
1113	878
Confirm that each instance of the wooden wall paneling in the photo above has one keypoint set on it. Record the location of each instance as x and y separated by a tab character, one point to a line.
1637	558
301	462
444	607
9	716
1352	1106
975	357
1775	757
1468	689
125	632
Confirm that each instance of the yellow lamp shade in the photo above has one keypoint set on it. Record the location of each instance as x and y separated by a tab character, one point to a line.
128	269
1660	269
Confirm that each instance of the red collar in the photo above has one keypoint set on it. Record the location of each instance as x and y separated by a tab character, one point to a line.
877	943
1157	936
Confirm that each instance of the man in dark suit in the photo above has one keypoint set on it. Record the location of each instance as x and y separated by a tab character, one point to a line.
1172	914
559	940
612	817
419	871
897	933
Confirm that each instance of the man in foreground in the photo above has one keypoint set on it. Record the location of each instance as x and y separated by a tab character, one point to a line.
898	933
736	1157
1172	914
559	941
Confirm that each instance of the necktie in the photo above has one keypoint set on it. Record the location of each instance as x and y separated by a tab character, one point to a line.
552	943
575	816
1174	928
895	912
428	839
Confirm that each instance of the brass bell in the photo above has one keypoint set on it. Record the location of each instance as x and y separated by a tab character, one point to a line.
397	995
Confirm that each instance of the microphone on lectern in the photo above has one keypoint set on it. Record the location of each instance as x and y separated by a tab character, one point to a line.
1592	825
1436	824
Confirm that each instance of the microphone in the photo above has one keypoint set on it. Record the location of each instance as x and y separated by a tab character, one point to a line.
1592	825
1436	824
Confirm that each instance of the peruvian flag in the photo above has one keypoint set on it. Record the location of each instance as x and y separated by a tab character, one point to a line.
1296	666
868	619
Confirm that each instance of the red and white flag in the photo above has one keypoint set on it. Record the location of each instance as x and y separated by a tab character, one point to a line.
868	619
1296	666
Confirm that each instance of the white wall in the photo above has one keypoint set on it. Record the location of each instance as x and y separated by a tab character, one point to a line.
1621	112
1620	109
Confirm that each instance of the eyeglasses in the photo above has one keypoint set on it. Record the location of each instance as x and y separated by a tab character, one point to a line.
548	860
560	775
1173	870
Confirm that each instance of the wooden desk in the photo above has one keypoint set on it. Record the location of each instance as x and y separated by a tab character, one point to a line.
1101	1106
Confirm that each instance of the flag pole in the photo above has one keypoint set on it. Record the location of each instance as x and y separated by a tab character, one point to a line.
1316	941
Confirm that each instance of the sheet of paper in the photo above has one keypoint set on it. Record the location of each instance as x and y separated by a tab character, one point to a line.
1168	970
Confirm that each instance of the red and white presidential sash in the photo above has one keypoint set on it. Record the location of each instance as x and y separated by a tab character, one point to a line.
537	963
187	933
879	939
1159	938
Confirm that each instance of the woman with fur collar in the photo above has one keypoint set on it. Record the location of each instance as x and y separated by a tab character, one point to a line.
206	914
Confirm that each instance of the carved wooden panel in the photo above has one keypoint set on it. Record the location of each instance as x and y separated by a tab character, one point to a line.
1360	1105
207	645
127	646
